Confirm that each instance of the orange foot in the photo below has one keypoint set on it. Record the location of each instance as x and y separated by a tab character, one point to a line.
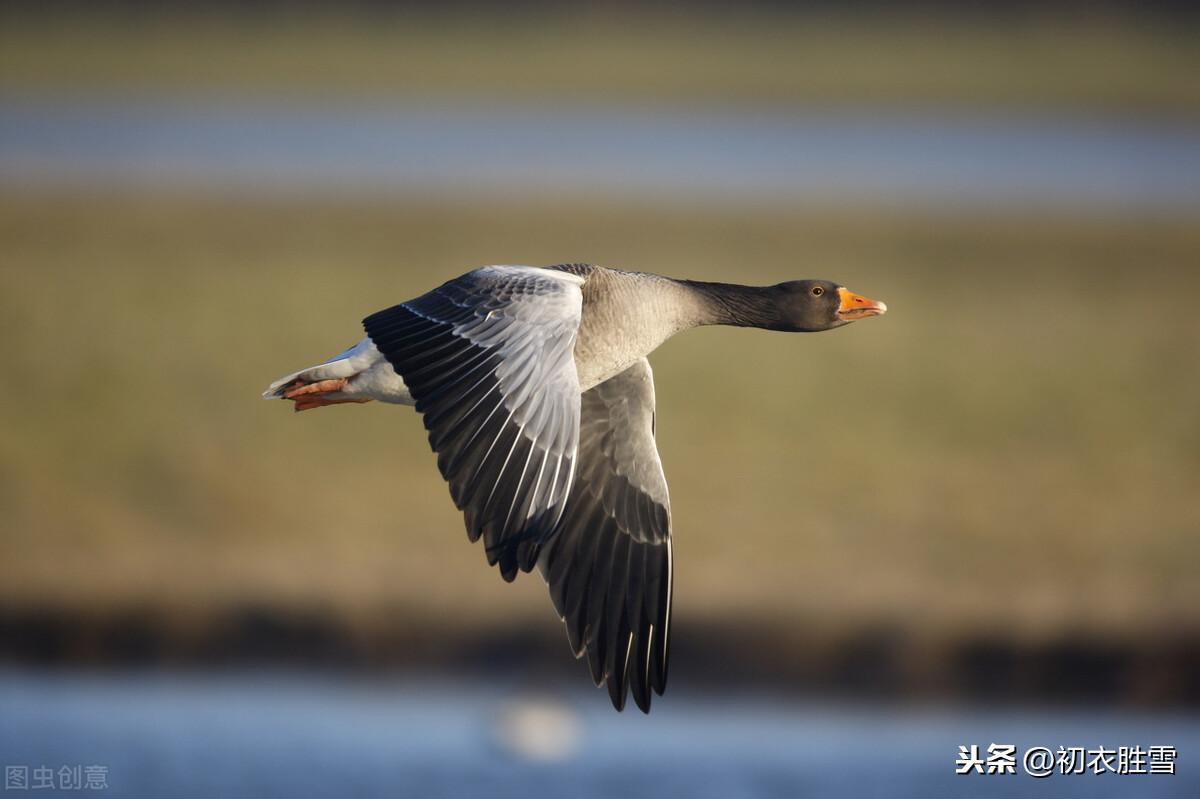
308	395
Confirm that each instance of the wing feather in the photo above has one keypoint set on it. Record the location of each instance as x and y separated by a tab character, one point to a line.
542	473
489	360
608	565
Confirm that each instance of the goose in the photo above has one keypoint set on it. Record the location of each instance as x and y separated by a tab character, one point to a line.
538	399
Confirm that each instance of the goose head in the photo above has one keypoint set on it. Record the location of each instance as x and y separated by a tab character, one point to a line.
806	306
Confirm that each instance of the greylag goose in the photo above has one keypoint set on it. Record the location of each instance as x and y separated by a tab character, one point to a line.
534	387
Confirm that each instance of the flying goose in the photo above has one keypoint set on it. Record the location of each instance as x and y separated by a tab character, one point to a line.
534	387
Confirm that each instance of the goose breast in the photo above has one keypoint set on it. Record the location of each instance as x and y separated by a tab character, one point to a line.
625	317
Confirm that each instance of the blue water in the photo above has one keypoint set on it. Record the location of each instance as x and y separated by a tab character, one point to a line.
883	156
275	734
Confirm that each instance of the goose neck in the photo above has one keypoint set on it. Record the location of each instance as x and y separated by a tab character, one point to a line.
735	304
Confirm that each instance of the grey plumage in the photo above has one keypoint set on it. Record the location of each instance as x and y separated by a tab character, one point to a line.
488	358
609	566
535	390
492	361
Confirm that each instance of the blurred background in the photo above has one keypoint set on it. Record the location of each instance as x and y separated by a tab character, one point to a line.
972	521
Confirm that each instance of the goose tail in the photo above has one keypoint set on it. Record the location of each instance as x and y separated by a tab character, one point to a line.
338	367
357	374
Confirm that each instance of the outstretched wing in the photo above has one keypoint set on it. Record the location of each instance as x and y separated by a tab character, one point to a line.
489	359
609	565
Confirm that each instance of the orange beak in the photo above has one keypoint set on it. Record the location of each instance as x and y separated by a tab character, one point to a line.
856	307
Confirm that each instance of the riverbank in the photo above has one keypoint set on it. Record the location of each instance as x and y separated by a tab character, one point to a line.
798	657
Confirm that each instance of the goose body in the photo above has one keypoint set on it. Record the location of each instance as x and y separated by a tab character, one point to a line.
534	387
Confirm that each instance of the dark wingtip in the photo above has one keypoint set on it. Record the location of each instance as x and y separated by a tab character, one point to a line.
617	692
658	679
595	665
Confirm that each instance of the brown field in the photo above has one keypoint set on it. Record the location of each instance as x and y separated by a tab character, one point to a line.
1014	448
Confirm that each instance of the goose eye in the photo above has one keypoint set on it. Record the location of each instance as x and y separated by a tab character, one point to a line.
817	291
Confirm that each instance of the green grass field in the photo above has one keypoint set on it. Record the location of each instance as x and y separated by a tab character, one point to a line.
1095	62
1014	446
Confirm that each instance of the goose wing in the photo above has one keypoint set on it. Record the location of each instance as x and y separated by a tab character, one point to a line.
489	359
609	563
